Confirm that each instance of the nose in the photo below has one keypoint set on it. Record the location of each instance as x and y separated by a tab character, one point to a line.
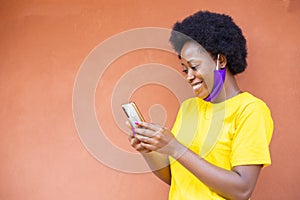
190	75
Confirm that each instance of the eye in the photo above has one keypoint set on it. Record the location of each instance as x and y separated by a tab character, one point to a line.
184	68
185	71
194	68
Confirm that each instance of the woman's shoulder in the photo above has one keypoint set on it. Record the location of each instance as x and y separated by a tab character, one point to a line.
238	102
248	102
247	98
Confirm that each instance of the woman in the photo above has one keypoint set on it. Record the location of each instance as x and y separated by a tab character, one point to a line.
229	131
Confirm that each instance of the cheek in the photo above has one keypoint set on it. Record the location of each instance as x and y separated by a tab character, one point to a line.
208	77
204	74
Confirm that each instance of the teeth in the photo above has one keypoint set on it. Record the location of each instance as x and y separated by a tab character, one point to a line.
197	86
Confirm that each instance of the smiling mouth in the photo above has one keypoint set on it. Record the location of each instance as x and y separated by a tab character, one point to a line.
197	86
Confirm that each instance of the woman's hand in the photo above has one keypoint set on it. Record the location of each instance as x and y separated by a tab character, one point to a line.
158	163
135	143
153	137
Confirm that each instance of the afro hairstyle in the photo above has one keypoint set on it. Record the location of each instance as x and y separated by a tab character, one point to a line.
216	33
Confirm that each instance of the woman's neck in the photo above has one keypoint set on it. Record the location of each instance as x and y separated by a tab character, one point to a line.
230	88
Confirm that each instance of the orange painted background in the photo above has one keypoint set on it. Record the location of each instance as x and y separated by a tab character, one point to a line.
42	46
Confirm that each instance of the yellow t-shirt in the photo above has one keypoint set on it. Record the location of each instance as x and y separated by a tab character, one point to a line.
235	132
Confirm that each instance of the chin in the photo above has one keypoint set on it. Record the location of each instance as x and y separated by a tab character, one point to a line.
202	95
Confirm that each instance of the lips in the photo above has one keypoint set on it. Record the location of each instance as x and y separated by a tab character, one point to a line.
197	86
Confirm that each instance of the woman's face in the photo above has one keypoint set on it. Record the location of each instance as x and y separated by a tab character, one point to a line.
199	68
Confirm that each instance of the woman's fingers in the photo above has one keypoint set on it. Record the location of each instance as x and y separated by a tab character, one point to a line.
133	141
151	126
149	146
145	139
136	143
149	137
142	149
144	132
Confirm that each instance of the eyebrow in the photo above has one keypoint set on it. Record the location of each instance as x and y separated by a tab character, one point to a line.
183	58
189	61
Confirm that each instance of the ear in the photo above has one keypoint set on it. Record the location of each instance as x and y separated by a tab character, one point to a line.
222	61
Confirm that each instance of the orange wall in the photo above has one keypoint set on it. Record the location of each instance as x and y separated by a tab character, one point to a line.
43	44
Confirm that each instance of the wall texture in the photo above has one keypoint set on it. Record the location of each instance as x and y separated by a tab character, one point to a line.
43	44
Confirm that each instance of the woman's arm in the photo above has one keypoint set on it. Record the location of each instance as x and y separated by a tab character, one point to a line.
237	183
155	162
158	163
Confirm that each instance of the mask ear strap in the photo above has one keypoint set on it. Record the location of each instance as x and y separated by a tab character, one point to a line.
218	63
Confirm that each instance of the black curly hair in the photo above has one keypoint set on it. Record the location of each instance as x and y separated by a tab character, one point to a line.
217	33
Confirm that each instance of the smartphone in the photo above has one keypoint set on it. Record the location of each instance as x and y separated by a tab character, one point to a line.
132	112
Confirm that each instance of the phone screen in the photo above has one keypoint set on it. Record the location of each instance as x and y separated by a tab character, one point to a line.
132	112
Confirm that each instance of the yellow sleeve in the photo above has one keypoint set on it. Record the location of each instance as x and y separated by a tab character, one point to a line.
253	132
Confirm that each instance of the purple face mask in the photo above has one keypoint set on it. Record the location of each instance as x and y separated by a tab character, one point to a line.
219	78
